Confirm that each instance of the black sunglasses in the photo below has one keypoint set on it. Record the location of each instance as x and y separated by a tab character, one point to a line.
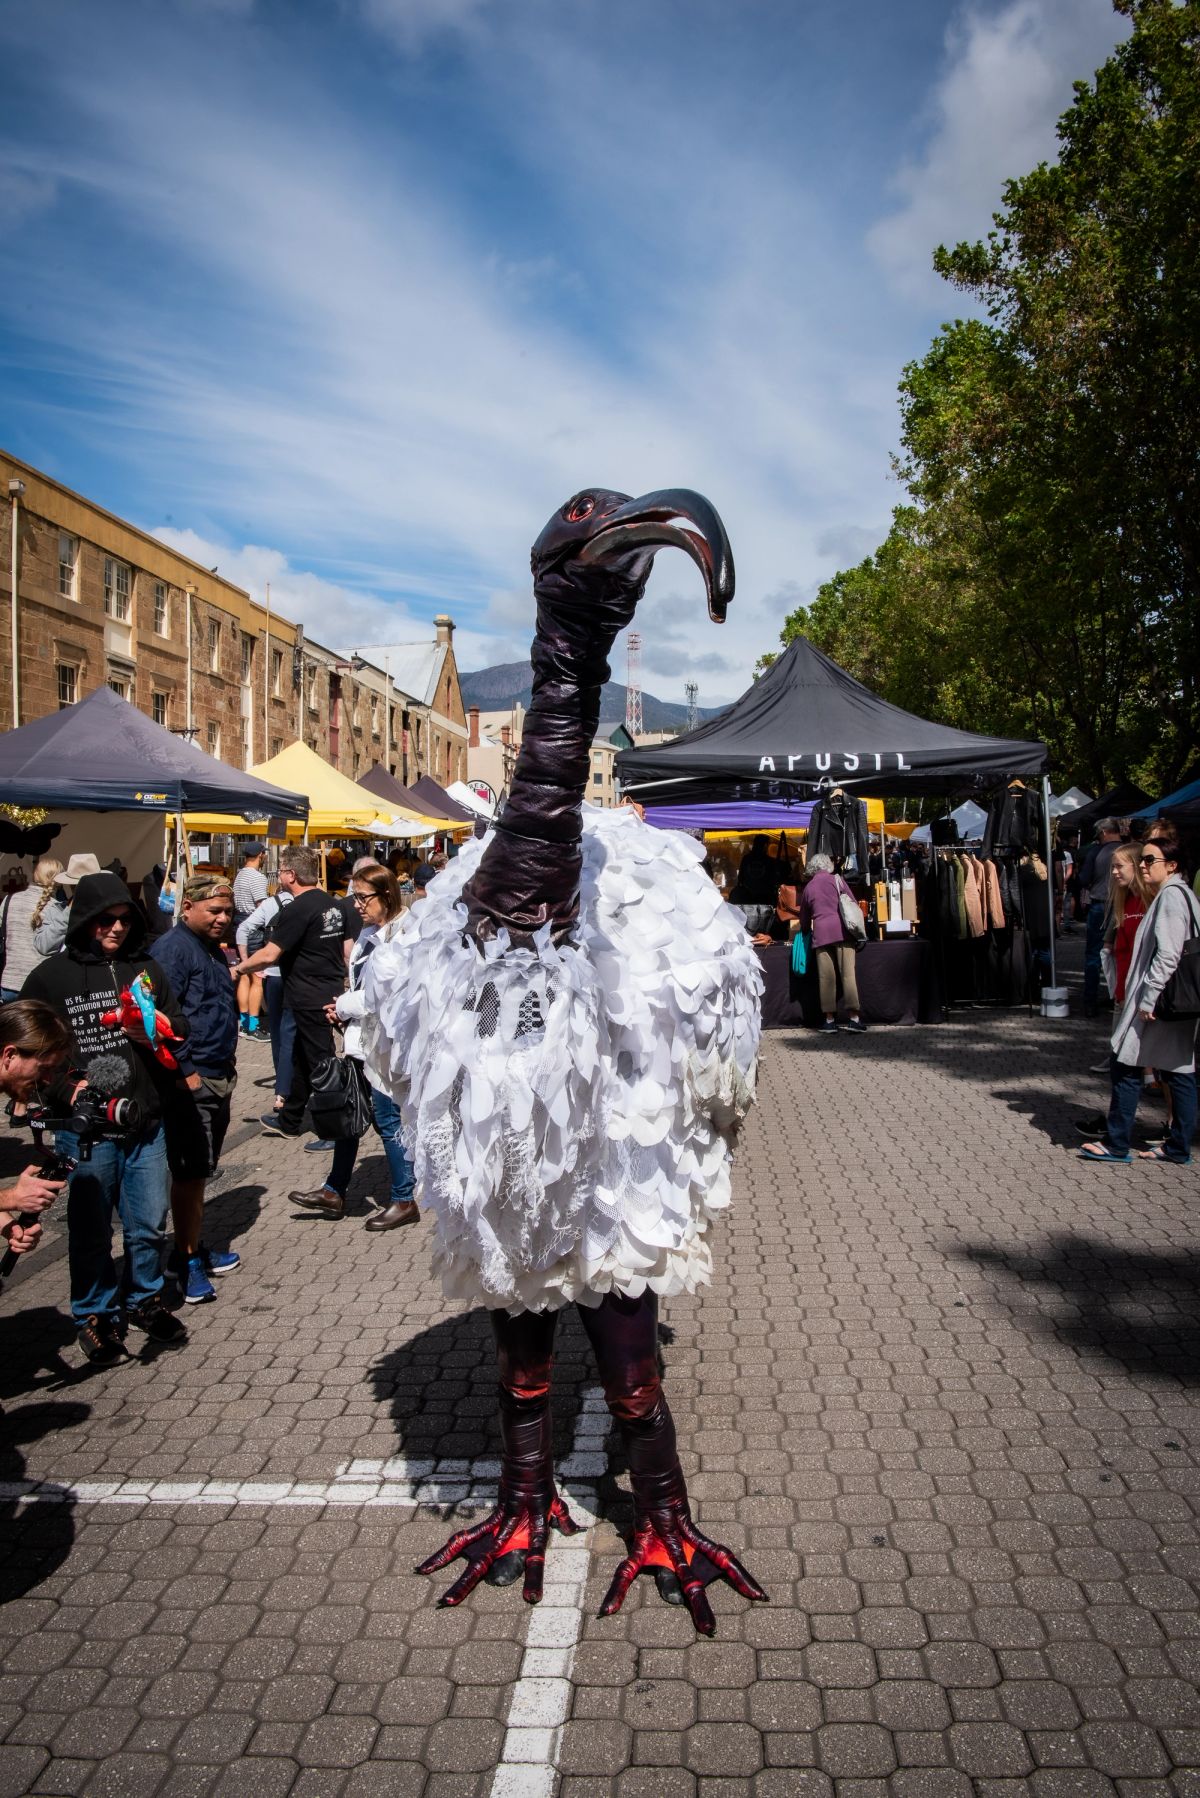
107	919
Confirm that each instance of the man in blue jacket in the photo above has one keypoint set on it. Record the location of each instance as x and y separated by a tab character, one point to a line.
197	1116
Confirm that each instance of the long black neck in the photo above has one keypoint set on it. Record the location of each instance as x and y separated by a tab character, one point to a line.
529	873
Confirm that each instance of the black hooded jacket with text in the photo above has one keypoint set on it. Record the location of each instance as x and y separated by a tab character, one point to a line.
81	985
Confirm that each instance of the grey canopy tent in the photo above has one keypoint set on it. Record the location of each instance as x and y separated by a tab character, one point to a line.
103	755
808	722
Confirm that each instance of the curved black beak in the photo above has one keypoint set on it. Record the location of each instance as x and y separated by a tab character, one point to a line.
675	516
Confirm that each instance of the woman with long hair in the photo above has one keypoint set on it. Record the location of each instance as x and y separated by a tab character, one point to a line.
22	916
1128	899
375	893
1139	1038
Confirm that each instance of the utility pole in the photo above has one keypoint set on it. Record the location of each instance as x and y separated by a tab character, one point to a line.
15	489
692	691
633	685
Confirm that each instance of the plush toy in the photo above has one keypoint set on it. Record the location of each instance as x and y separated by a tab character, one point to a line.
137	1007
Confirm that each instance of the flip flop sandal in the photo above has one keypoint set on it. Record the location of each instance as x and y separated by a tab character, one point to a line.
1086	1154
1158	1154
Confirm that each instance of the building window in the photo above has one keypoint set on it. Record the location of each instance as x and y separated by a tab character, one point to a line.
247	657
158	708
276	745
597	780
119	684
276	673
68	556
314	687
116	589
374	716
214	646
68	684
214	739
162	614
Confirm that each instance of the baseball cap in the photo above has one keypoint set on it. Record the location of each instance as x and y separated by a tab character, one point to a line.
423	875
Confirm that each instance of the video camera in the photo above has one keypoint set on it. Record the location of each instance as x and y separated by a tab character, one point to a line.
99	1114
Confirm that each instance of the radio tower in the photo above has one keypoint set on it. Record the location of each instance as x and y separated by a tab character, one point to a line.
692	691
633	686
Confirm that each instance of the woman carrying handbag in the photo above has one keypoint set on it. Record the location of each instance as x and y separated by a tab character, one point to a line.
826	905
1156	1026
376	894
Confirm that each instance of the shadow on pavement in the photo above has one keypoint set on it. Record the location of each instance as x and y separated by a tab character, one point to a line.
231	1213
35	1539
1138	1307
441	1390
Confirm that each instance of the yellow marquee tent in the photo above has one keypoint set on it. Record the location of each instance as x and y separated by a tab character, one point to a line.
337	807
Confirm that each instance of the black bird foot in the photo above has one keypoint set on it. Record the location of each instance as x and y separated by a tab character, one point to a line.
511	1541
683	1561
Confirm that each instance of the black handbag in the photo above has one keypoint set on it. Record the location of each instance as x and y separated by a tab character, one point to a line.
338	1099
1179	1000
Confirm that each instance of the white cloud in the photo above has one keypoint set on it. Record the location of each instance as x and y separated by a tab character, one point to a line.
411	23
1006	82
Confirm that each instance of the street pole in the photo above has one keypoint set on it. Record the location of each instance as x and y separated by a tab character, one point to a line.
1049	874
15	489
267	682
188	626
387	713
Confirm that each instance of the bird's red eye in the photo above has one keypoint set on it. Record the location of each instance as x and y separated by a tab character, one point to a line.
580	508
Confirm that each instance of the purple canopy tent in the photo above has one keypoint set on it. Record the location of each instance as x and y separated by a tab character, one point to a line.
765	815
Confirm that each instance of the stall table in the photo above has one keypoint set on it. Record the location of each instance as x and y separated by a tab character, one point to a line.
895	985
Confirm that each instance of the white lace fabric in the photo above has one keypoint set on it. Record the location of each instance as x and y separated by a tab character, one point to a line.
571	1111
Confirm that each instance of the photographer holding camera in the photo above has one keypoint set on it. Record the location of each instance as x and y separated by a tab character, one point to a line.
34	1044
102	956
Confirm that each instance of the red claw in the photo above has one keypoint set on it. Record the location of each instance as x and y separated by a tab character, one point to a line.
666	1539
518	1526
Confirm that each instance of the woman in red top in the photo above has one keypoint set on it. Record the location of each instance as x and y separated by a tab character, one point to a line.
1126	909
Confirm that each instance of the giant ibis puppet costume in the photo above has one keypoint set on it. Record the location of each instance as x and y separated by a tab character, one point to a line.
570	1024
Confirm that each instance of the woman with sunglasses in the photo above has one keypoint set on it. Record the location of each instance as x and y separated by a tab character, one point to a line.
375	894
1139	1039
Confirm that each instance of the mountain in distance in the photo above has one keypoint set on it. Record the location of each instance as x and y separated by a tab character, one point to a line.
508	684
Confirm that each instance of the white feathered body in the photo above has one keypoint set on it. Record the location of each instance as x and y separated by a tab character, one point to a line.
571	1110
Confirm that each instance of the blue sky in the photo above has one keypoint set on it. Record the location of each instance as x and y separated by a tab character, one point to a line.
348	295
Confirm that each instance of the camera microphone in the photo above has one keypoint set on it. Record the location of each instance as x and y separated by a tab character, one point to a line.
107	1076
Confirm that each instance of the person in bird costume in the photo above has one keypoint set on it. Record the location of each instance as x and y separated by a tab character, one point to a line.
570	1024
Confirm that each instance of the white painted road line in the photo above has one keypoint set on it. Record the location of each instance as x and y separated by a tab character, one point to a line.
541	1699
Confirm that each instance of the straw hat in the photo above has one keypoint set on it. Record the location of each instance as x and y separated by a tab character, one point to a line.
76	868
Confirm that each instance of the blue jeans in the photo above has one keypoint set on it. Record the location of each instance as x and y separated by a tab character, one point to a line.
282	1026
1126	1091
132	1178
9	993
345	1153
1093	943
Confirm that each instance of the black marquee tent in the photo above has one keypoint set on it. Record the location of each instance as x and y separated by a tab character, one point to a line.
103	755
808	721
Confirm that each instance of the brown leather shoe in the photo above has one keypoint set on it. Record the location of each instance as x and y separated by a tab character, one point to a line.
324	1203
394	1217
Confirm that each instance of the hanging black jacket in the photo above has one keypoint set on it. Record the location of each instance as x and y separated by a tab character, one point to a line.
1015	821
838	829
80	984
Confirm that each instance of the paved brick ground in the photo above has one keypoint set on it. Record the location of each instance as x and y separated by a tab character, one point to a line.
948	1377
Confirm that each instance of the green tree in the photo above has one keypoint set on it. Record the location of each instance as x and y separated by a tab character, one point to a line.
1046	578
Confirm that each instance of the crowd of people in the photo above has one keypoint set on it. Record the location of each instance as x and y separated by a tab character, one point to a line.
233	960
121	1026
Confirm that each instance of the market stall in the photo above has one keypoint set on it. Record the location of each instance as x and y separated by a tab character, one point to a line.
393	795
104	756
808	730
336	806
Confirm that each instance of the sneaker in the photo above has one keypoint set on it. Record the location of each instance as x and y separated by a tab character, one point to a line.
194	1282
100	1339
857	1025
220	1261
828	1028
319	1147
271	1125
159	1324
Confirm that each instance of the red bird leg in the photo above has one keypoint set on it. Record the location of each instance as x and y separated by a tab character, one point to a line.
512	1539
624	1335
